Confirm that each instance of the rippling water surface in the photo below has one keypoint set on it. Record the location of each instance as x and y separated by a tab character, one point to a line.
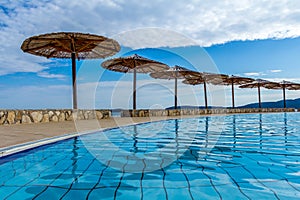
251	156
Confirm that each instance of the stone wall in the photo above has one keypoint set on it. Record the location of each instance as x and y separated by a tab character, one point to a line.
43	116
40	116
174	112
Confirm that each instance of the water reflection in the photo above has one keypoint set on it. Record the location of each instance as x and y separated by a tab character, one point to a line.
285	126
234	130
135	139
75	159
260	161
206	132
242	134
260	132
285	130
176	137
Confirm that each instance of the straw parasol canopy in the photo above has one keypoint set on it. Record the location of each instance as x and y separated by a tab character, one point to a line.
175	73
291	85
71	45
134	64
284	85
214	78
204	78
258	83
198	81
231	80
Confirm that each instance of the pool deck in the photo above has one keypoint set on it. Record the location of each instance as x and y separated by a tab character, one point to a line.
16	134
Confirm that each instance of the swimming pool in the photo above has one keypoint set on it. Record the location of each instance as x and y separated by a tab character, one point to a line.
250	156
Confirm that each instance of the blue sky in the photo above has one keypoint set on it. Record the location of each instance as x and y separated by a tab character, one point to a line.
246	38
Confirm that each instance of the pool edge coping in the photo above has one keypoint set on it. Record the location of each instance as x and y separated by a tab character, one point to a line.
6	151
10	150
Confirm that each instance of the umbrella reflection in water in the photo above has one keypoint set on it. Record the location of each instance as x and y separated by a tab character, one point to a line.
135	139
234	131
285	130
260	131
176	137
75	159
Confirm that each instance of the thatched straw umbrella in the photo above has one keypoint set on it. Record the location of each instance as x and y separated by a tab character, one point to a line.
284	85
71	45
198	81
134	64
175	73
213	78
258	83
204	78
231	80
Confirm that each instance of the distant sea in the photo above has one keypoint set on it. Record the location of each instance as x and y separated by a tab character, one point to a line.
290	103
116	113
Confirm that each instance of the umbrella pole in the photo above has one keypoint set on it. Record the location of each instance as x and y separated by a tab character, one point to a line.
134	88
74	81
205	94
259	100
284	101
232	93
175	99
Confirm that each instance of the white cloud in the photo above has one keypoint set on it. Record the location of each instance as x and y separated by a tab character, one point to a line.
276	71
254	74
264	74
295	80
205	22
149	37
47	75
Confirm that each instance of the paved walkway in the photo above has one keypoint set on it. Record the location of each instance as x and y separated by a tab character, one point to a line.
22	133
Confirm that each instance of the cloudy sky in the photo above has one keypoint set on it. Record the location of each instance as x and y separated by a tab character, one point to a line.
259	39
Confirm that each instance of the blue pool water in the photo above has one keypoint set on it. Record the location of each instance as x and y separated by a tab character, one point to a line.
251	156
